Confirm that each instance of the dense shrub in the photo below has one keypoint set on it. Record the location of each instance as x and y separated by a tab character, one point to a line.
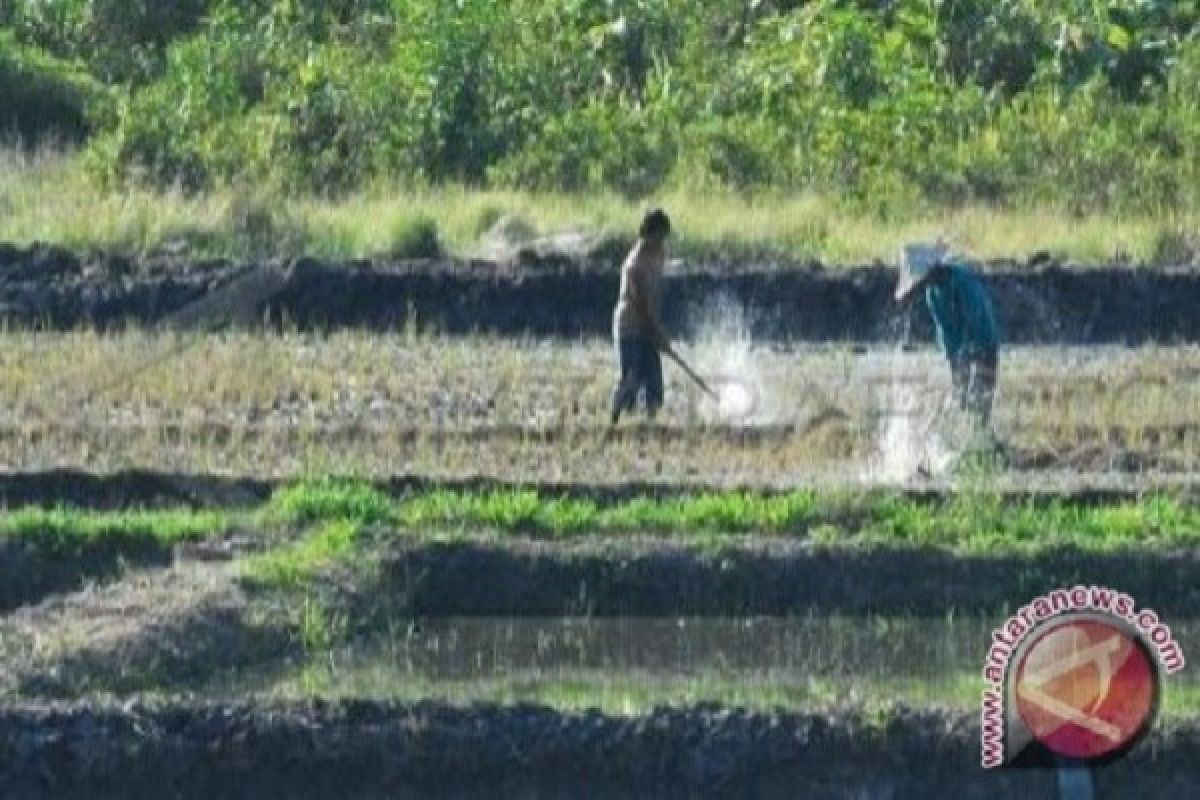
120	40
882	103
42	97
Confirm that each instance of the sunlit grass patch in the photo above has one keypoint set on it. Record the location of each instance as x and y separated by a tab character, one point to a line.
331	500
47	196
69	531
292	565
967	521
336	509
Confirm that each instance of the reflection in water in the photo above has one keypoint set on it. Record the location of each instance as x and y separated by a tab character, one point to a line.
480	648
632	664
890	647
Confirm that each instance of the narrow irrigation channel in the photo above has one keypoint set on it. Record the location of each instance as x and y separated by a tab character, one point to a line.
348	639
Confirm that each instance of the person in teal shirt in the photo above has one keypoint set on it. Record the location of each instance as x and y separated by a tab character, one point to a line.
965	321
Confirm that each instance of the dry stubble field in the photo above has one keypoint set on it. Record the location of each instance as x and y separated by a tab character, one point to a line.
329	642
536	411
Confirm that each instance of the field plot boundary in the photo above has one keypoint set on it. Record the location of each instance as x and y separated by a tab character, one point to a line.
611	578
47	287
149	488
524	552
429	749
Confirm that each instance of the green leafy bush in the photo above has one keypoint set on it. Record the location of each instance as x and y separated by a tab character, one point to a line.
415	236
120	40
42	97
1072	102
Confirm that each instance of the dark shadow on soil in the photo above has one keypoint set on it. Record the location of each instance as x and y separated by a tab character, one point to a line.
156	489
364	749
204	649
622	578
136	488
44	286
30	571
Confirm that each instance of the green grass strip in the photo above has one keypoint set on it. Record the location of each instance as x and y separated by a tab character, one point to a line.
292	565
70	532
970	521
967	522
46	551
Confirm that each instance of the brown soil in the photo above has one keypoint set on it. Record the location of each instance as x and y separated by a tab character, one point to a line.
835	455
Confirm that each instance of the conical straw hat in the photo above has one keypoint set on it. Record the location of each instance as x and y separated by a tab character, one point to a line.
919	260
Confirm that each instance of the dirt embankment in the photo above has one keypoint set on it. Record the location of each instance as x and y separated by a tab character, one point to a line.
29	572
133	488
50	287
373	750
146	488
760	576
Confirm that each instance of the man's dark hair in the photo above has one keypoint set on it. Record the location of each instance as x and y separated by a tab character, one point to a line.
655	225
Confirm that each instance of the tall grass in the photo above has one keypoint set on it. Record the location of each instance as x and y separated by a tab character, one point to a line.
46	196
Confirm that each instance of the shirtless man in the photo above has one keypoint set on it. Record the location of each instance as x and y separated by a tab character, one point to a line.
637	331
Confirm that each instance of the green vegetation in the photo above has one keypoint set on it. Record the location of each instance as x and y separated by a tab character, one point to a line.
72	534
323	638
44	551
887	112
41	95
48	196
968	521
332	500
324	522
630	692
291	565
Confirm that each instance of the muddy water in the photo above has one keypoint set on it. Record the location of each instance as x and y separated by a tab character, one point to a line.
757	661
375	741
821	646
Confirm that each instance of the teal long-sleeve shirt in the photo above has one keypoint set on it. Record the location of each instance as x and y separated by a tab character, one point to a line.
962	313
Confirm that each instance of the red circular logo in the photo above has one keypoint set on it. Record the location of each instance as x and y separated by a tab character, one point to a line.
1086	688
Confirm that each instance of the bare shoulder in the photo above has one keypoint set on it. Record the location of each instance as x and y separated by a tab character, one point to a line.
635	253
643	258
636	258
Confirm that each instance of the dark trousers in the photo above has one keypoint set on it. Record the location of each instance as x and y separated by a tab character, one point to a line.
641	371
975	383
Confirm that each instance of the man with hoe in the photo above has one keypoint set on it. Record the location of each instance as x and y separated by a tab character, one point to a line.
637	331
966	325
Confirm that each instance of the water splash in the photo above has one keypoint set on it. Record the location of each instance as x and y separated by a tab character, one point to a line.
915	434
906	445
735	399
724	351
